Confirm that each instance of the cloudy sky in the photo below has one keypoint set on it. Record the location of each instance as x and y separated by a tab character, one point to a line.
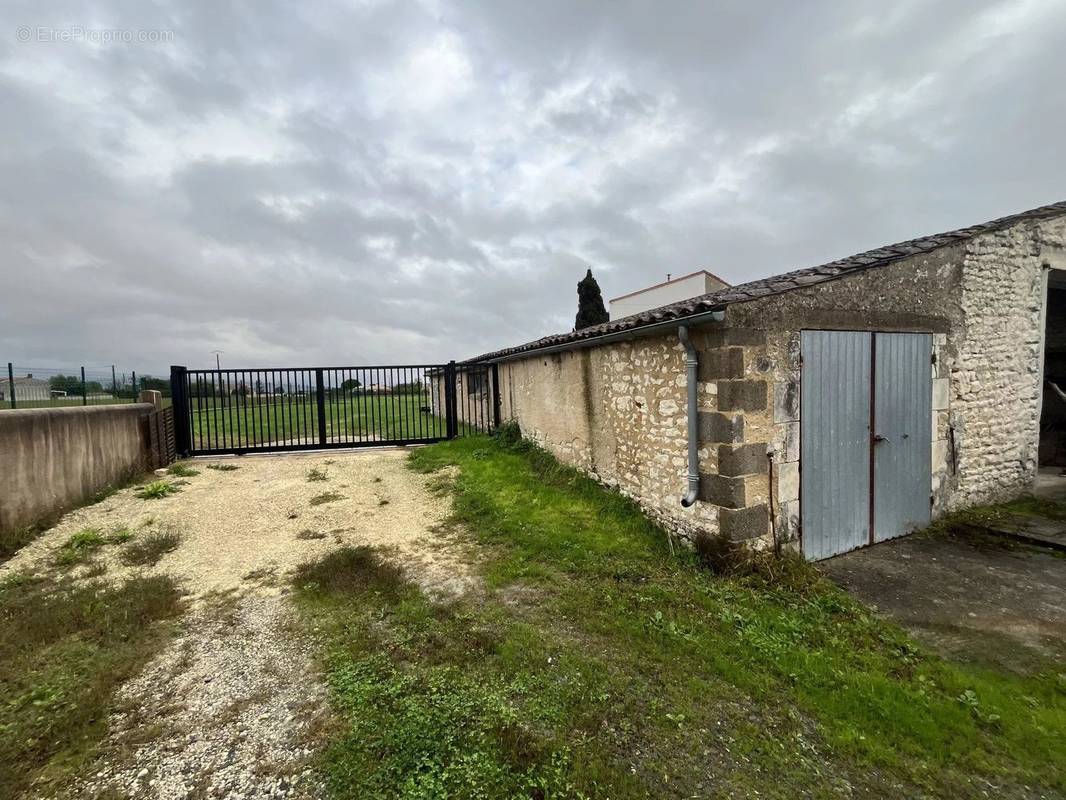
411	182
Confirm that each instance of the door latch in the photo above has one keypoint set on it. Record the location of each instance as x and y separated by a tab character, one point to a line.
878	438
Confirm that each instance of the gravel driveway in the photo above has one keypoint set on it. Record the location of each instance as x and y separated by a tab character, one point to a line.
233	706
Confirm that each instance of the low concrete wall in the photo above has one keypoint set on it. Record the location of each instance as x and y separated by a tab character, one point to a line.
52	459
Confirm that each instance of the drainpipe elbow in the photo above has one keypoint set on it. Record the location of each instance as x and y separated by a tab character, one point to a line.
693	492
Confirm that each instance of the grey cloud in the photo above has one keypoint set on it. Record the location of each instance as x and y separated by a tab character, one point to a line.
404	182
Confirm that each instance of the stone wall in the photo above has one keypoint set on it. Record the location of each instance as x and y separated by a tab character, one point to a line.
54	458
617	412
998	361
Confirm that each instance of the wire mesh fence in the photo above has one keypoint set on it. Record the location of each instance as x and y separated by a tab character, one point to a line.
47	387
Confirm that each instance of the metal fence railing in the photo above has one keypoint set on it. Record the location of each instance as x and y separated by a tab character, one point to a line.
261	410
48	387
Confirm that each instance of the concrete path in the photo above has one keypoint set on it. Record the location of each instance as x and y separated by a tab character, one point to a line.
970	596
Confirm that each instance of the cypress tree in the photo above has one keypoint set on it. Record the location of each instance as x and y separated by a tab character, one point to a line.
590	310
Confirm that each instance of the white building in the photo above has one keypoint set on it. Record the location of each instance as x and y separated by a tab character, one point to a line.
669	291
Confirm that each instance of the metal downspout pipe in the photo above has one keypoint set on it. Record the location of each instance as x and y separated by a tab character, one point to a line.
691	367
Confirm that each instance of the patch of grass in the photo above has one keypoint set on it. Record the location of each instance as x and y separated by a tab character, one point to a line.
148	549
157	489
596	664
120	536
182	471
79	547
223	467
325	497
64	649
307	533
315	474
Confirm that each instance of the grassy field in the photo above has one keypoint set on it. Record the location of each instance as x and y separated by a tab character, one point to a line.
291	419
595	664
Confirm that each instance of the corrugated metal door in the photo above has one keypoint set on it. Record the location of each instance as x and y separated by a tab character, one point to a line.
835	442
902	425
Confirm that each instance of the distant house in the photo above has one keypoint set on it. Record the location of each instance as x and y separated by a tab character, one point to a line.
27	388
672	290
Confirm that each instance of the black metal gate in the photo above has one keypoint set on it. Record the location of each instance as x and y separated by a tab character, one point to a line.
310	408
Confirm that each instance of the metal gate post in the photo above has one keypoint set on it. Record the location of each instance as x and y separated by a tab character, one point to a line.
320	401
84	394
497	400
180	401
450	404
11	382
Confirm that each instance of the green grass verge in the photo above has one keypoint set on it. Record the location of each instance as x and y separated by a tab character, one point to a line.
64	649
595	664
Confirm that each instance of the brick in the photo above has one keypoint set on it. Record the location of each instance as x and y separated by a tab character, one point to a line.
720	428
788	481
786	401
941	393
741	395
788	521
742	524
723	491
727	362
744	459
791	443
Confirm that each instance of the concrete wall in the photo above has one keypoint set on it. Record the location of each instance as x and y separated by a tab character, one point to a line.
52	459
618	411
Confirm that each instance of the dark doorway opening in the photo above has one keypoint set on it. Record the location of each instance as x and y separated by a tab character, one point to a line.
1053	412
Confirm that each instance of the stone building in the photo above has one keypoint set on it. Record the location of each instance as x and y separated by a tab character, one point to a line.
837	405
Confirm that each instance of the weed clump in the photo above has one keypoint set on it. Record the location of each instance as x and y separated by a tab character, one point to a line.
183	471
325	497
79	547
156	490
351	570
120	536
314	475
148	550
223	467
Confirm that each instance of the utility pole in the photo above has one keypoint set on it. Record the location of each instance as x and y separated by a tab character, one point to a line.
218	362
